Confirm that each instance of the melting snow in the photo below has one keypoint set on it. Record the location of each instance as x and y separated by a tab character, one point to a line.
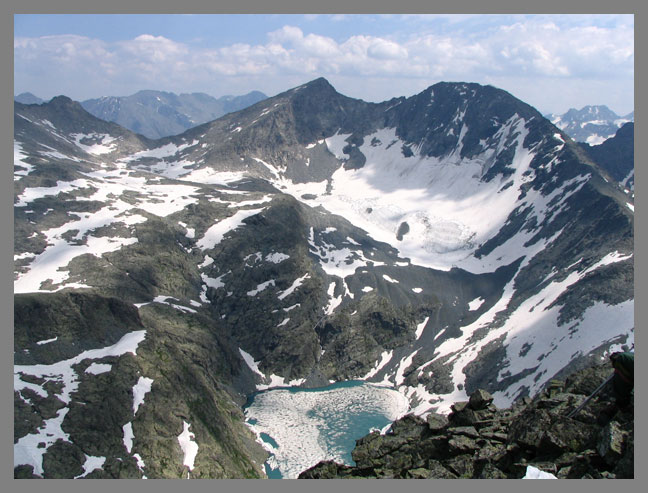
385	358
140	389
98	368
19	157
475	304
535	473
215	234
47	341
284	415
213	283
253	365
298	282
128	436
261	287
188	446
27	449
91	464
276	258
96	149
420	327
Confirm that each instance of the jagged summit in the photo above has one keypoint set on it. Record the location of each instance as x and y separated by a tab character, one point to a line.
597	112
591	124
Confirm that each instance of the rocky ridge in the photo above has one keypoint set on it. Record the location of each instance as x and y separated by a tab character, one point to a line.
616	156
478	440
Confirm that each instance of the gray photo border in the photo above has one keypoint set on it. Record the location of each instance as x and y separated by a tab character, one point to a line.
11	7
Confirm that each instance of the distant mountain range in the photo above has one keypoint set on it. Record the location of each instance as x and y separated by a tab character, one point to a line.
28	98
157	114
590	124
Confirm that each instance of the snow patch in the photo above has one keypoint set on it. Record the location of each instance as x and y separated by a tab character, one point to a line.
98	368
475	304
188	445
284	415
420	327
215	234
535	473
47	341
261	287
140	389
385	358
27	450
298	282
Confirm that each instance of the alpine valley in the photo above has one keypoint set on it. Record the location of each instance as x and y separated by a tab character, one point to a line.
439	244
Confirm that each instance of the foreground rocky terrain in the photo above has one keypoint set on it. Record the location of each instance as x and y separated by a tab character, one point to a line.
478	440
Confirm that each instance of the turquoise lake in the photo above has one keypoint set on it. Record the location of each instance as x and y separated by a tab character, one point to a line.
301	427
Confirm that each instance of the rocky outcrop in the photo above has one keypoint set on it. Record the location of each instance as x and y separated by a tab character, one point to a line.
95	404
478	440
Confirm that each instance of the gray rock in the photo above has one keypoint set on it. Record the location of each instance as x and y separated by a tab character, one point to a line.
480	399
436	422
610	443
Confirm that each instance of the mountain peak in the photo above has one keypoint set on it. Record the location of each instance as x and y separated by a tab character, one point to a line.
61	101
319	85
28	98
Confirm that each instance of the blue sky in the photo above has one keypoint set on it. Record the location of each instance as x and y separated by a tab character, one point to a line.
552	62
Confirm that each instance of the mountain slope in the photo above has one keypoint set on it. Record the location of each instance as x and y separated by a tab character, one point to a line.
616	155
157	114
438	244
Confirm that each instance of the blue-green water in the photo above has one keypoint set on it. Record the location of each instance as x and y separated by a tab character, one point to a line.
300	427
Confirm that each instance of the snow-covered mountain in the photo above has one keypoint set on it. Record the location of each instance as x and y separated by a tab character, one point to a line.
156	114
590	124
441	243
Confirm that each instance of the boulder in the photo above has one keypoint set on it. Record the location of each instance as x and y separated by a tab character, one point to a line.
480	399
529	427
609	444
437	422
461	444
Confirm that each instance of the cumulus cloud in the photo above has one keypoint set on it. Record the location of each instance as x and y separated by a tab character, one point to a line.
386	50
537	48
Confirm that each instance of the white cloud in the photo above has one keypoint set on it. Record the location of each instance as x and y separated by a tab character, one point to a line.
538	48
386	50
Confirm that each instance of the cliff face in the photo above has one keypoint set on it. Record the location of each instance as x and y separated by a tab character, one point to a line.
478	440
